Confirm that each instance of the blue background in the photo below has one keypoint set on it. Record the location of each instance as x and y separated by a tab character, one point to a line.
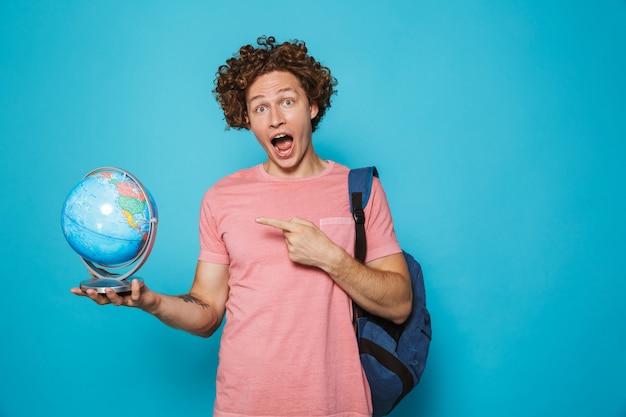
499	130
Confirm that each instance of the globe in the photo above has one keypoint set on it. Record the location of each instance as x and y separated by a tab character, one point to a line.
109	219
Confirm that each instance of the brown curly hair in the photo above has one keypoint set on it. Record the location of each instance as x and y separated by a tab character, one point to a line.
240	71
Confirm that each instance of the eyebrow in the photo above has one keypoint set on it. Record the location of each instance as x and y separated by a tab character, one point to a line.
282	90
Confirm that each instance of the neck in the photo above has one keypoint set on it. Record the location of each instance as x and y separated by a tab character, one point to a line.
308	167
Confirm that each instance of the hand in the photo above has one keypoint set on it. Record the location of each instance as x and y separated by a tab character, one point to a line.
382	286
306	243
140	296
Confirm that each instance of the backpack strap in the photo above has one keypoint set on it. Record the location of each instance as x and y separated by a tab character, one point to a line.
359	188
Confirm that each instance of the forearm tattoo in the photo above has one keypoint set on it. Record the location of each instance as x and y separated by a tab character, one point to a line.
188	298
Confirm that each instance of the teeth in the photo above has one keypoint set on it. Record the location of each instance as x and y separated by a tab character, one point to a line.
278	138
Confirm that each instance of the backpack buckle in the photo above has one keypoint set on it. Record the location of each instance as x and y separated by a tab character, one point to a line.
359	216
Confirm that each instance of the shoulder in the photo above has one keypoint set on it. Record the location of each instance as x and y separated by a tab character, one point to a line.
226	184
245	175
337	171
338	168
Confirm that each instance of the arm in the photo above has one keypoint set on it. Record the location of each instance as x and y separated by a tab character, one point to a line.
381	287
199	312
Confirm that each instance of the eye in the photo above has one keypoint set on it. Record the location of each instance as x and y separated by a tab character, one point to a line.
288	102
260	109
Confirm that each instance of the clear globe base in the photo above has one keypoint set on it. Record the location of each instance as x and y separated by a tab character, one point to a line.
120	286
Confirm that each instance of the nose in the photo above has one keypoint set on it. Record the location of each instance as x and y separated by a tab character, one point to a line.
277	118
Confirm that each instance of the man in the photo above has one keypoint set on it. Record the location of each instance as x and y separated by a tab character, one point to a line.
275	253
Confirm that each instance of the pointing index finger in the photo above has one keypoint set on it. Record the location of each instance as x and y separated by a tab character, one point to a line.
277	223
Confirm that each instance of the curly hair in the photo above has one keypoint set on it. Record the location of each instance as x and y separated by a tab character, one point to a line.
240	71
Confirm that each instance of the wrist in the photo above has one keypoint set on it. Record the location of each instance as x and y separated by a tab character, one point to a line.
152	304
339	261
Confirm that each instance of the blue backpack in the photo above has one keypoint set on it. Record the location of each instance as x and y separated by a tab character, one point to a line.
393	356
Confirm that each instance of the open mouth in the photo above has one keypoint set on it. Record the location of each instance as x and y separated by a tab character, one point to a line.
283	144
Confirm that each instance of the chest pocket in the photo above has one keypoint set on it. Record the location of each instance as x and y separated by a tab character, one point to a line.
340	230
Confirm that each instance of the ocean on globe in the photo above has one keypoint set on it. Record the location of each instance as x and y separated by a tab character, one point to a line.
107	217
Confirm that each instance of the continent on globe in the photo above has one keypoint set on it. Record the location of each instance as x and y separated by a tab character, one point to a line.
131	201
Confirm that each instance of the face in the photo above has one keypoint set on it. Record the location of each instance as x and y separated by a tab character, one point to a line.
279	114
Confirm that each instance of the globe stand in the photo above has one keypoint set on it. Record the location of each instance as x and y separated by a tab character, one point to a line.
120	286
102	279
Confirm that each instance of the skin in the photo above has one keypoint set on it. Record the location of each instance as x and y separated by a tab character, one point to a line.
277	105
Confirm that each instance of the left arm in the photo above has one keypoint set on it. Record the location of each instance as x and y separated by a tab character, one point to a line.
381	287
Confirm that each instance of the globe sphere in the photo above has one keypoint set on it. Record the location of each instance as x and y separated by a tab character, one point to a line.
108	217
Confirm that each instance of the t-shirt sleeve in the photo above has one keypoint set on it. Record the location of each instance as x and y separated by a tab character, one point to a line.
379	229
212	247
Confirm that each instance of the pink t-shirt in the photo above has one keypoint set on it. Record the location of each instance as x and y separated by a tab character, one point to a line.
288	346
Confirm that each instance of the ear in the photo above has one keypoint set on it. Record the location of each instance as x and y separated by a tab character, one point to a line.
313	109
247	120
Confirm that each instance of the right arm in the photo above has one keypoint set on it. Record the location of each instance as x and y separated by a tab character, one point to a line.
199	312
